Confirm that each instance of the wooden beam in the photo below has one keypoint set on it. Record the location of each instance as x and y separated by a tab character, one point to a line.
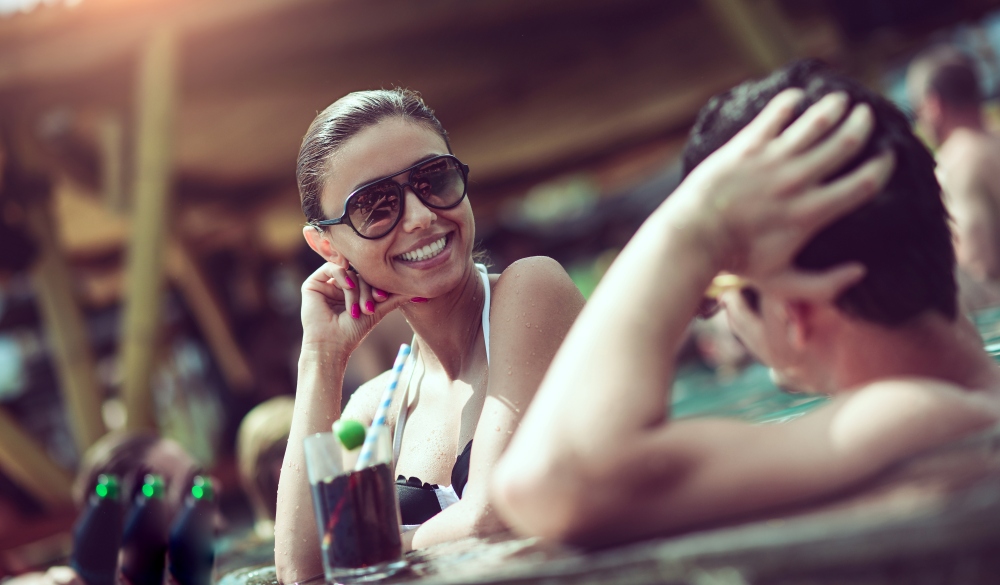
111	141
65	329
209	315
144	269
754	29
28	465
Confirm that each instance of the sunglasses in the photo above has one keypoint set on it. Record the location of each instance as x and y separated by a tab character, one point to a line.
722	282
374	209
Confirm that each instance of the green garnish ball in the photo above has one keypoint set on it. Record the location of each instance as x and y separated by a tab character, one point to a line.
350	432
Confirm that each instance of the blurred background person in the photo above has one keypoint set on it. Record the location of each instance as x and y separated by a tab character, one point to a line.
946	95
129	457
260	449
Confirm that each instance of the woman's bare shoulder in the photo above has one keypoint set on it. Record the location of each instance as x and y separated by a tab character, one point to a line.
535	276
533	300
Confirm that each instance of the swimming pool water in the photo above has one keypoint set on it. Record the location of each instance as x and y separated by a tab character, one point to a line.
751	395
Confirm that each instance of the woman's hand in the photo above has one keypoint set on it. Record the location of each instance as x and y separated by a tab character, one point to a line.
761	196
340	308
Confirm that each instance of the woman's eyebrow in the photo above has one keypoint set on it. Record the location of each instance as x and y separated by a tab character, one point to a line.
383	177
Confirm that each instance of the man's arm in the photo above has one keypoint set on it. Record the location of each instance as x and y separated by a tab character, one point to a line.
974	219
696	471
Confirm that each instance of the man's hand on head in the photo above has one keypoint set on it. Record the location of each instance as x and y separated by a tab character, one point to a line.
757	200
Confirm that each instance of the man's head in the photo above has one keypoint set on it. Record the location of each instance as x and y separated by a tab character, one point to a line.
130	456
901	236
944	91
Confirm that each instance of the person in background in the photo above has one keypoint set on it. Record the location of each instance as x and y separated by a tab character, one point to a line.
946	96
833	221
129	456
260	449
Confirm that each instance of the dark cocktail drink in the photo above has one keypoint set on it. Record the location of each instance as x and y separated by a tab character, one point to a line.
359	522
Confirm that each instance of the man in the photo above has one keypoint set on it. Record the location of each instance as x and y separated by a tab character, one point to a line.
945	93
843	247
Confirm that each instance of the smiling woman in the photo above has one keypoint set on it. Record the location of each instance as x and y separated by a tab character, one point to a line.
387	207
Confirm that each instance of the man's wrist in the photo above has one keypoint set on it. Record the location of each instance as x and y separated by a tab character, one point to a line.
698	228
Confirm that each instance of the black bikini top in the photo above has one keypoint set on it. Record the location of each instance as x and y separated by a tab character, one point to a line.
418	501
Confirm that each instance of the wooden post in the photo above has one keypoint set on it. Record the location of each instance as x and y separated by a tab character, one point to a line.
111	138
28	465
65	329
209	315
755	30
144	270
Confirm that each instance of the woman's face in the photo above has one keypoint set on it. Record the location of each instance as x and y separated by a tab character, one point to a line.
380	151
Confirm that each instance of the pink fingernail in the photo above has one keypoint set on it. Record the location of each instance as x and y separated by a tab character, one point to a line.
380	293
350	283
355	311
418	300
370	306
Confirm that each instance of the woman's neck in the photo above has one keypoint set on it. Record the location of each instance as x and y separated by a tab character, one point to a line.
448	327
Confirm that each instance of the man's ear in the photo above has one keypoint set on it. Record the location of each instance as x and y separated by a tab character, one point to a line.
322	246
799	321
932	107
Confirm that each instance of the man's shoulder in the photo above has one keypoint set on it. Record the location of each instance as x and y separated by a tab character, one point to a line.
968	151
919	400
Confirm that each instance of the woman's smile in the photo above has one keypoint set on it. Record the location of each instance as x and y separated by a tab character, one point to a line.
428	254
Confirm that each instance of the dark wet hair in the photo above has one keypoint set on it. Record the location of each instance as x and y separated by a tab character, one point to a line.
342	120
902	235
950	75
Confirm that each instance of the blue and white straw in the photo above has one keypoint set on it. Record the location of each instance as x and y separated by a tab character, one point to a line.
368	449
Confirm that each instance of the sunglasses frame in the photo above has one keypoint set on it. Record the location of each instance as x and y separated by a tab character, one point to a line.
401	188
722	282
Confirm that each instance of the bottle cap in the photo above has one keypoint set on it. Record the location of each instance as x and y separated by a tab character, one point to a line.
107	487
202	489
152	486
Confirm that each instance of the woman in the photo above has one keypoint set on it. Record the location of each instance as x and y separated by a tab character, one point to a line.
386	206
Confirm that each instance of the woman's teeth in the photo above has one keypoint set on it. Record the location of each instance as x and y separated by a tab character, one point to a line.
429	251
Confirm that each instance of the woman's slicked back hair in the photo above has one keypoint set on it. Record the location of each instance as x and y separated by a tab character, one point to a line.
344	119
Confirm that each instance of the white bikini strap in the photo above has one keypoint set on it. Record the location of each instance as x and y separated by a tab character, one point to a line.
486	309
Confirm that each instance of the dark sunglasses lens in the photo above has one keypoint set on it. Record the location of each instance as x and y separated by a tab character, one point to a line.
708	308
440	182
374	209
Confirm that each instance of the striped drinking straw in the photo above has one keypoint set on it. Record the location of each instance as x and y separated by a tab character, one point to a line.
368	449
